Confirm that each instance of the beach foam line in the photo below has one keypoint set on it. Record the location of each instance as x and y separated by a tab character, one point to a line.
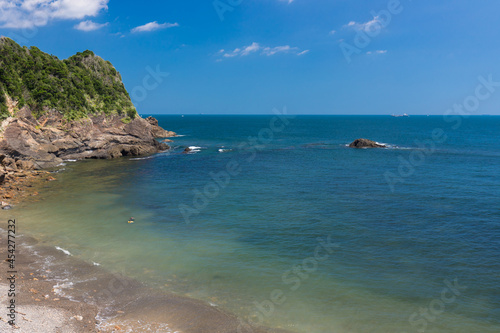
63	250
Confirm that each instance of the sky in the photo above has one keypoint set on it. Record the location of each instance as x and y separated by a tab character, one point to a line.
251	56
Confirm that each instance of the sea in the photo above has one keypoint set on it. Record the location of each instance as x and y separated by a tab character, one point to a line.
274	219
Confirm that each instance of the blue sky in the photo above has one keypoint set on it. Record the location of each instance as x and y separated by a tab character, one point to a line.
250	56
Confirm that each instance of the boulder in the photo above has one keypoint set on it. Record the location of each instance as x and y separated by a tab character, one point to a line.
365	143
157	131
25	165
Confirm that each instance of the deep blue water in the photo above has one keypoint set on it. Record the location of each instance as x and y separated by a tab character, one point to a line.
404	219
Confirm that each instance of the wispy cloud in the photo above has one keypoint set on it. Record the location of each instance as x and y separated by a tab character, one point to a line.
152	26
262	50
377	52
31	13
364	26
89	26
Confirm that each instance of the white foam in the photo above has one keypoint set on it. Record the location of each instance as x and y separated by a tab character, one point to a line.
224	150
62	164
63	250
142	158
96	264
70	160
194	149
58	288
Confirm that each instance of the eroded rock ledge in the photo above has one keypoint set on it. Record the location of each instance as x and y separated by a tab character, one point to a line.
47	141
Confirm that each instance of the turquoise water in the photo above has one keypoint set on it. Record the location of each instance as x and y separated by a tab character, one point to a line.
401	221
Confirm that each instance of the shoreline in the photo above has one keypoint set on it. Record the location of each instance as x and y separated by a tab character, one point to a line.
57	292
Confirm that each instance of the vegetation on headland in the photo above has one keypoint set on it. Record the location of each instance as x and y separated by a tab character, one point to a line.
81	85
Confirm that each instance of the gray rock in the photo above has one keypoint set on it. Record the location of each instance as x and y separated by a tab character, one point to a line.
102	137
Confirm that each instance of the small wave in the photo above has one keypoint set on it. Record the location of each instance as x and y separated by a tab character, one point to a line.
195	149
62	164
63	250
70	160
224	150
142	158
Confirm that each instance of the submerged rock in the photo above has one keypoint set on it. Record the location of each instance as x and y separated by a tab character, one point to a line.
365	143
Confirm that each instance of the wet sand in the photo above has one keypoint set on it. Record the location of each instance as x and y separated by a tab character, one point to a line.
56	292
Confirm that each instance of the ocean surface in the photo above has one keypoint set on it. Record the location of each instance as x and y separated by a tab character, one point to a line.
277	221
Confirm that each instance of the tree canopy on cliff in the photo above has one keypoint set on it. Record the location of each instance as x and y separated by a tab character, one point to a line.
81	85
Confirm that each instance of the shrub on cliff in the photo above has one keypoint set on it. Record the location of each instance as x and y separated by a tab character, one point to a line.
76	87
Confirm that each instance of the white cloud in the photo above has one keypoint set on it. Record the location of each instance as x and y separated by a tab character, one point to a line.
31	13
269	51
151	26
333	32
289	1
364	26
250	49
256	47
377	52
89	26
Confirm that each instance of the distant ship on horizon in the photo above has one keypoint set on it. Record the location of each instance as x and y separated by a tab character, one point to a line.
400	115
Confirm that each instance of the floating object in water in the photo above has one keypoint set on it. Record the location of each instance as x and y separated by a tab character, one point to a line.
131	220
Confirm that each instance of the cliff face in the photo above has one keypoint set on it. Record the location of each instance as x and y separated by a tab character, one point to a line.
78	108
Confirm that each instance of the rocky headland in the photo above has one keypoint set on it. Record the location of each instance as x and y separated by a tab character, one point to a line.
53	110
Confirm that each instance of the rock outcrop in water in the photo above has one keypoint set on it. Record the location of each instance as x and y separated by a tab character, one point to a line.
365	143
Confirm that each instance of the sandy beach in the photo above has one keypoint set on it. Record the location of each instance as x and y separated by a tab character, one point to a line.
56	292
